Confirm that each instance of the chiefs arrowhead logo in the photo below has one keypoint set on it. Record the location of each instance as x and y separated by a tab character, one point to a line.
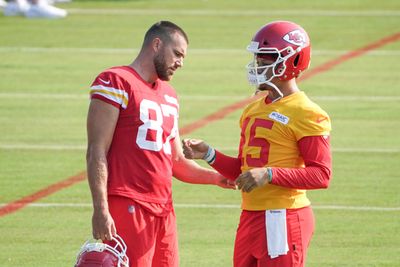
296	37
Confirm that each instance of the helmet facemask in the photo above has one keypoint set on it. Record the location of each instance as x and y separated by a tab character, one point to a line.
118	250
274	66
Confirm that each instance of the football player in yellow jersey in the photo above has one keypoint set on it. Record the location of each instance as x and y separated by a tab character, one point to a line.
284	150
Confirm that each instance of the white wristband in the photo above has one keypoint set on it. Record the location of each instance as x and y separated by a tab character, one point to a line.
270	173
210	155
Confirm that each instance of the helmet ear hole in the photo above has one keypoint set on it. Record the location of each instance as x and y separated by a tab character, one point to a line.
296	60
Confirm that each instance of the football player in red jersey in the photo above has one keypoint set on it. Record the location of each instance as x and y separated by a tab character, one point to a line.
284	150
134	150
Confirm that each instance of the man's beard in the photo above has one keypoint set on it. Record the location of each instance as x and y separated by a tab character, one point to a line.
161	67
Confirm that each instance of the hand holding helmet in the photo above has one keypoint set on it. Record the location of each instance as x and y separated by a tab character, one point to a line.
98	254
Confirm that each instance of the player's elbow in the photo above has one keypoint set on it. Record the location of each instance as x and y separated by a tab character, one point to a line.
179	167
88	154
91	153
95	154
325	184
326	175
178	162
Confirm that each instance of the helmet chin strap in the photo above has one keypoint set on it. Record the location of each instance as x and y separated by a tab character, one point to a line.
275	88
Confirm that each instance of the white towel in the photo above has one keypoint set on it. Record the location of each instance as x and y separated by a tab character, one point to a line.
275	221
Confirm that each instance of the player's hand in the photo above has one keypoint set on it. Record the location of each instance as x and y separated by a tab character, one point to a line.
103	225
251	179
194	148
223	182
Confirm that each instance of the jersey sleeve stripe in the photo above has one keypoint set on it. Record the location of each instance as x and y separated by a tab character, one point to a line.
116	95
119	99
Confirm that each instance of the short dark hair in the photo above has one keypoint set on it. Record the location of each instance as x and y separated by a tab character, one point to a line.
163	30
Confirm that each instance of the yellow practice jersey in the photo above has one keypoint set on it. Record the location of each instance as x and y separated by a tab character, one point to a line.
270	132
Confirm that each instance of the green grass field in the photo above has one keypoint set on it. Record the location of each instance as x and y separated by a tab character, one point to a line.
47	66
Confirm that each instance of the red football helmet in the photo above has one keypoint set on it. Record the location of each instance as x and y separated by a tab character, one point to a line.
286	45
95	254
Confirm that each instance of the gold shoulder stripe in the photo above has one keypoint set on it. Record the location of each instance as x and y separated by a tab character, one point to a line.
119	98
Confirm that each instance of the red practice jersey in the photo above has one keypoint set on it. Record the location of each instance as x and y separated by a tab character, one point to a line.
139	159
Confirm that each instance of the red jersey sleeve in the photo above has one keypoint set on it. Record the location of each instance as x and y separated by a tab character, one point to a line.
110	88
316	154
227	166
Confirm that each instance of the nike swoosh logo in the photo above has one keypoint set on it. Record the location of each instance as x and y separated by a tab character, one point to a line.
321	119
105	82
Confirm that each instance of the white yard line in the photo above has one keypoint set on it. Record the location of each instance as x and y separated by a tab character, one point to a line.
341	150
218	206
61	147
357	98
86	96
367	150
27	49
3	95
42	147
236	13
8	49
355	208
45	96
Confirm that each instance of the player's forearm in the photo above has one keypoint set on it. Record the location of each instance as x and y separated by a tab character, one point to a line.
227	166
316	154
97	177
312	177
190	172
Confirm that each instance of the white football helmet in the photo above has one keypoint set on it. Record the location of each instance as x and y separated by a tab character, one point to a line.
97	254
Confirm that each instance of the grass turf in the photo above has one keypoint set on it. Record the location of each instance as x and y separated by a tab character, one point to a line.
47	67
